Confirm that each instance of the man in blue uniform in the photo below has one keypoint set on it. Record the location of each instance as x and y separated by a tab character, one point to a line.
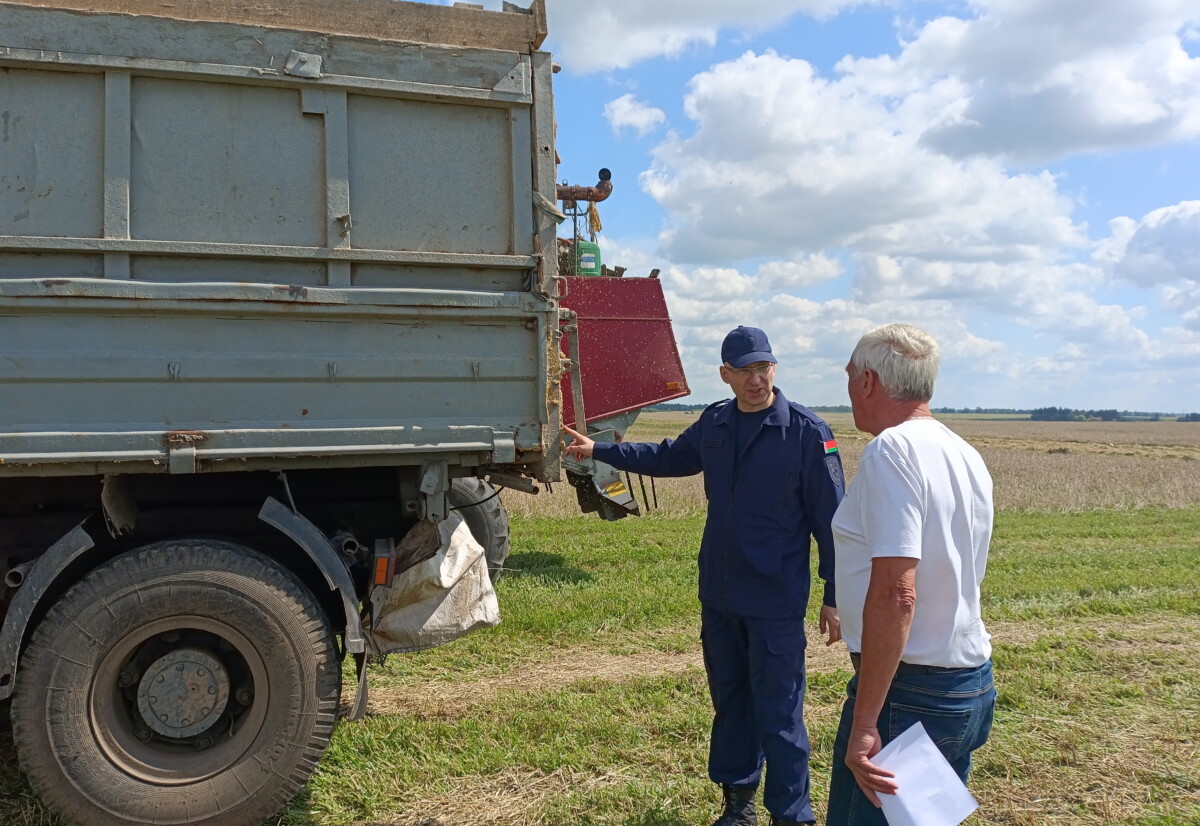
773	479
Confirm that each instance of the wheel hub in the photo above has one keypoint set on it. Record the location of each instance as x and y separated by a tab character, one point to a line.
183	693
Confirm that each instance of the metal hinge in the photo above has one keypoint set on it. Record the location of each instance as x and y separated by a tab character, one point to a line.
181	450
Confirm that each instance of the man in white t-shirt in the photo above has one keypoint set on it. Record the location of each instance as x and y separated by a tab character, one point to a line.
911	544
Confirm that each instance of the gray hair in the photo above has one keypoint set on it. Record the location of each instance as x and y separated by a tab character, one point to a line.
905	358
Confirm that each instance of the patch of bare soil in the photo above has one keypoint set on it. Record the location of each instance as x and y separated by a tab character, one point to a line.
452	700
511	798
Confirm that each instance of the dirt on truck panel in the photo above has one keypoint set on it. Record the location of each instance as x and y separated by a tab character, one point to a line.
517	29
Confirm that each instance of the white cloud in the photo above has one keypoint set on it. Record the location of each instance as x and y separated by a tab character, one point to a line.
629	112
812	338
712	284
1162	248
801	272
615	34
784	162
1093	343
1042	80
883	157
1050	300
1111	250
906	186
1036	80
1185	301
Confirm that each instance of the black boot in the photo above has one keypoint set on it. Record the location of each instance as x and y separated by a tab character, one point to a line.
739	806
779	821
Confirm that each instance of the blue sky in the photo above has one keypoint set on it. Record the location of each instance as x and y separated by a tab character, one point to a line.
1019	177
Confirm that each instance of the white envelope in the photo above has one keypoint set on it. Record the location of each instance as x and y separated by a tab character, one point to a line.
930	793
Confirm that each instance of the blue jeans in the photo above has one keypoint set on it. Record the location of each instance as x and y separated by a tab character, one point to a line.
956	708
756	680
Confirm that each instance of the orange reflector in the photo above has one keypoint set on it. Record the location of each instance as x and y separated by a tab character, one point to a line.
381	570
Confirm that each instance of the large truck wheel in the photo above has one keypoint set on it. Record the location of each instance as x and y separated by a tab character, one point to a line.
186	682
487	520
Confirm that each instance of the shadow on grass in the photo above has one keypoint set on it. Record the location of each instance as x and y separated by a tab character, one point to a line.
656	817
545	566
295	813
18	804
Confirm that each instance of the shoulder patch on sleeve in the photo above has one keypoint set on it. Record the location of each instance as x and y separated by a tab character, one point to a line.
834	466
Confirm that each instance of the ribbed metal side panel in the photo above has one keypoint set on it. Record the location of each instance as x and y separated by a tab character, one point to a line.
227	247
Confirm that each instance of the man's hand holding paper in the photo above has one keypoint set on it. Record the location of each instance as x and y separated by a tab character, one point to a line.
930	792
864	744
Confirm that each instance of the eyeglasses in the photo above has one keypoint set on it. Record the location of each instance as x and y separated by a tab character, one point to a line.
763	370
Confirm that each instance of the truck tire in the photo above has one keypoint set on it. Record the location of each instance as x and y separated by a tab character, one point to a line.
186	682
488	520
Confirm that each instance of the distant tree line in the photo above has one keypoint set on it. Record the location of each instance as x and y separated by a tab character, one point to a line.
1066	414
992	411
1040	414
676	407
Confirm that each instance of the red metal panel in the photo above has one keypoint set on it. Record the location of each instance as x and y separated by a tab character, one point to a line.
628	356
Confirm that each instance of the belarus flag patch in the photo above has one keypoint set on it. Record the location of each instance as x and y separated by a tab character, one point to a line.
831	447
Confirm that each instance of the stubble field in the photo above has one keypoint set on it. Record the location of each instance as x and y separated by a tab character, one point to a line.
1038	467
588	704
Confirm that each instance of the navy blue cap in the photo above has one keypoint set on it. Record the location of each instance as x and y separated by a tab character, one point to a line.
746	345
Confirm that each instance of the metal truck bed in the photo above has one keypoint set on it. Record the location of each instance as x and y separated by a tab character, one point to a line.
228	246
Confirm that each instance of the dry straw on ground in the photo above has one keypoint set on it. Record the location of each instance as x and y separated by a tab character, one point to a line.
1036	466
420	697
511	798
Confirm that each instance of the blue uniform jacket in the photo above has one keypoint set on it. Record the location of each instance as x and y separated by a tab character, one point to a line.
762	505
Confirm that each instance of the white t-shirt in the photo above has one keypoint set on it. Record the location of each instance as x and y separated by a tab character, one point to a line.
920	492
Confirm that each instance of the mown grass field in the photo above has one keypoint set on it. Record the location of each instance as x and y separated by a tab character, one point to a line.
588	704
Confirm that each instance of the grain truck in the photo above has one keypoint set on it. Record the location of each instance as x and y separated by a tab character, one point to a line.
279	302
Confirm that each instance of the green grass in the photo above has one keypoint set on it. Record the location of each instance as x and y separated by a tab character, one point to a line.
1097	563
588	704
1095	618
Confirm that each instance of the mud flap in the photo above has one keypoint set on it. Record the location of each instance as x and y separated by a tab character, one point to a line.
359	709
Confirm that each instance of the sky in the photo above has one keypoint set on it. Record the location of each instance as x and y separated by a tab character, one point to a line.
1021	178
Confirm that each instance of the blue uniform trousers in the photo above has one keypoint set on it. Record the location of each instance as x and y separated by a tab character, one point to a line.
756	679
